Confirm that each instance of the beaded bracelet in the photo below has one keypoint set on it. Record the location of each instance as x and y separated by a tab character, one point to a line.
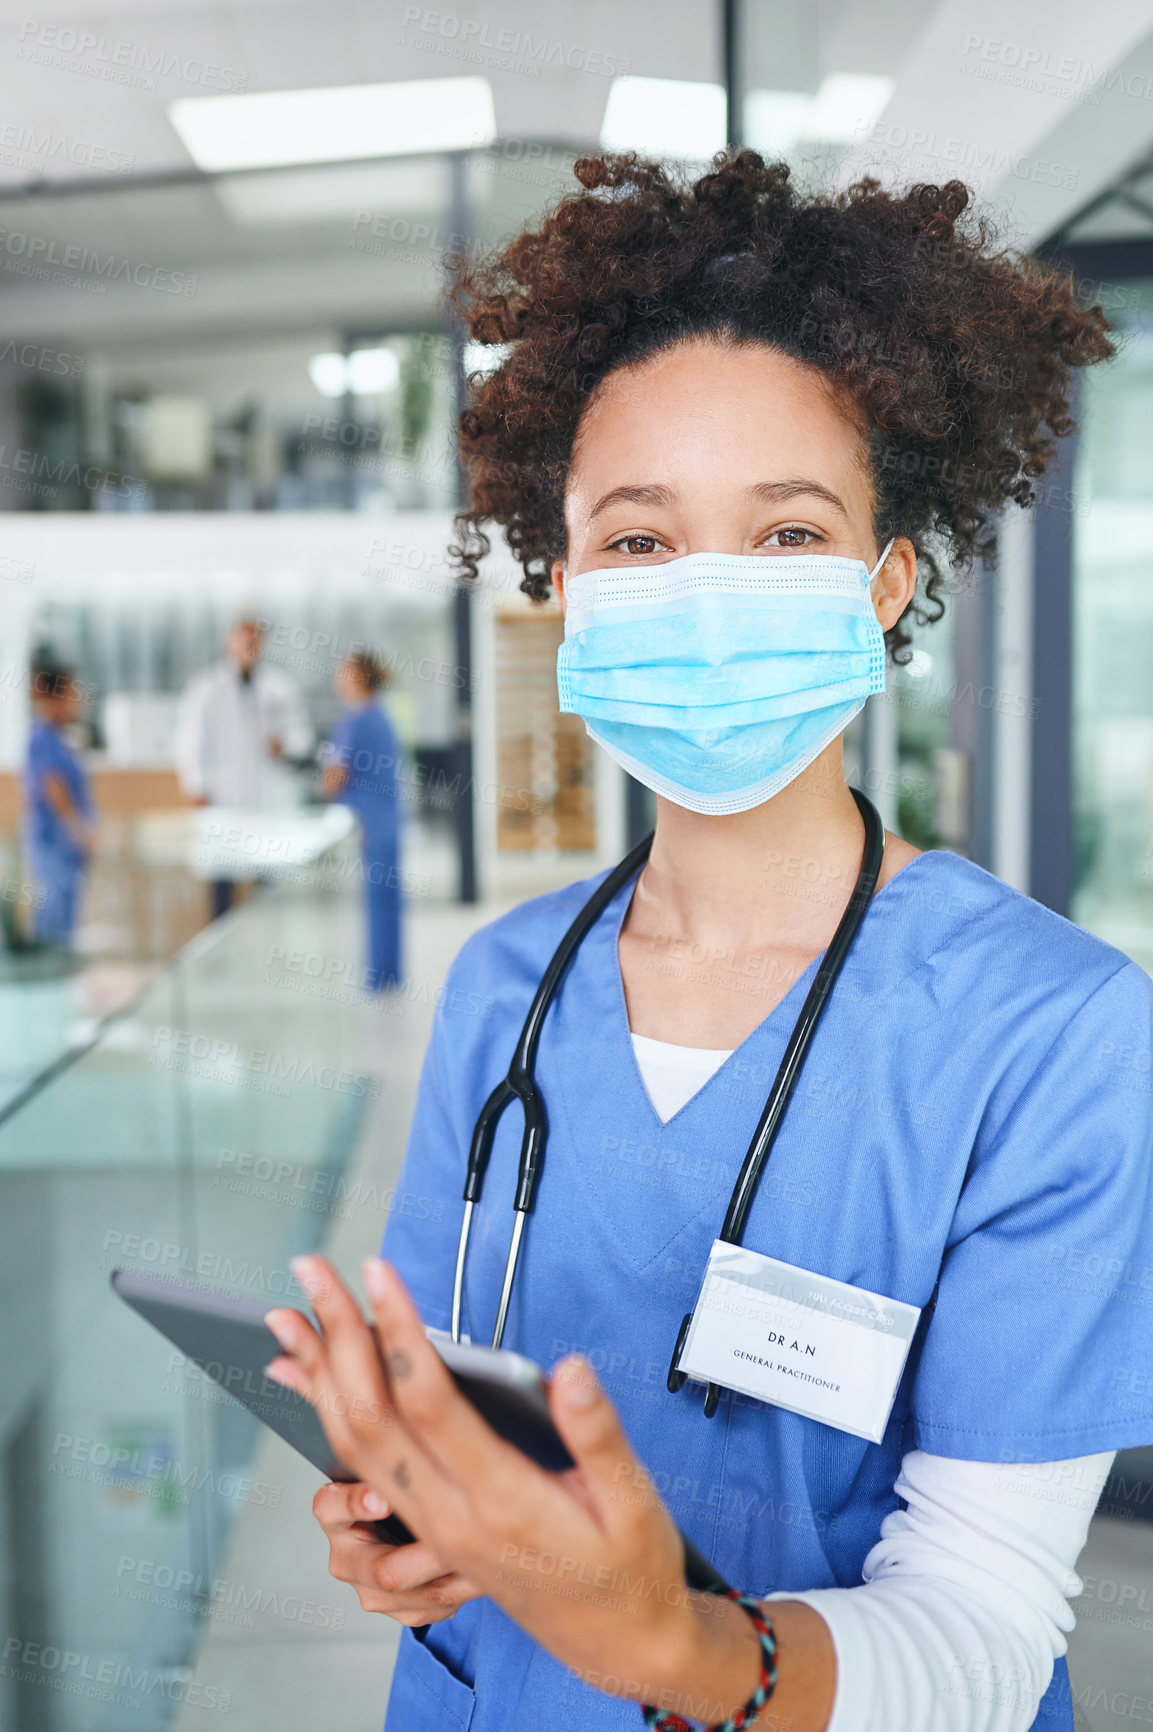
665	1721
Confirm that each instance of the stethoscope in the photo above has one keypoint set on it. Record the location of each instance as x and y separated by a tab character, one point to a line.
520	1083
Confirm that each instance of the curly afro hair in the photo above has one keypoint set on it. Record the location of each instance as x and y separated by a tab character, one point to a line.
954	355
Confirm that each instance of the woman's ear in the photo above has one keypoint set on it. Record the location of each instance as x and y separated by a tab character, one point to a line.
892	588
556	572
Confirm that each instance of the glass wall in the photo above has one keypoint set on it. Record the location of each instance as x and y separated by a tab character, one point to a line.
924	689
1113	639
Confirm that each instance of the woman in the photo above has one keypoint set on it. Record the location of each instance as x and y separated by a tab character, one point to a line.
59	815
361	770
733	425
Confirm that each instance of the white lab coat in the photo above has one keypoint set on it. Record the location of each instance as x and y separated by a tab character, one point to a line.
223	732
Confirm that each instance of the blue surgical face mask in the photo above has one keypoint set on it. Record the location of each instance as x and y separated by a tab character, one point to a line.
716	678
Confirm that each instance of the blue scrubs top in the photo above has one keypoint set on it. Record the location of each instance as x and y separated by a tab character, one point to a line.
364	743
977	1095
45	830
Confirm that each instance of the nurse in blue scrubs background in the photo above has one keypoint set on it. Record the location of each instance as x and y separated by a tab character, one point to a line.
59	815
741	429
361	770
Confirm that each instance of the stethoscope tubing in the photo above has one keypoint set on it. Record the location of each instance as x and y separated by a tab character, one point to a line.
812	1010
796	1050
519	1083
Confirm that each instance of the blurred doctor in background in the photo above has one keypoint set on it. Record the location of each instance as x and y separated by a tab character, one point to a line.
362	770
241	724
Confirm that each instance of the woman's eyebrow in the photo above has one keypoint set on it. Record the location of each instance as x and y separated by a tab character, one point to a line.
655	493
776	492
763	492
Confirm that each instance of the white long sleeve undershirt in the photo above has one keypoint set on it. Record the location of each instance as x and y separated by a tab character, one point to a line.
964	1603
964	1606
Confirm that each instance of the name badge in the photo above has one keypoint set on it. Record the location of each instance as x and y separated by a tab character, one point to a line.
817	1347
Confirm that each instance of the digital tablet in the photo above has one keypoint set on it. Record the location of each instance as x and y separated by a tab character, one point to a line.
226	1336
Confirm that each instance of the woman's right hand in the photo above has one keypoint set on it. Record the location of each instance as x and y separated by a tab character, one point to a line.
408	1583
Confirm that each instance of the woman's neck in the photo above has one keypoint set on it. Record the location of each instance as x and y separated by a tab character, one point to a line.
729	911
788	864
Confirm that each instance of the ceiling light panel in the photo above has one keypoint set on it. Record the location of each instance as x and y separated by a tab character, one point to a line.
273	128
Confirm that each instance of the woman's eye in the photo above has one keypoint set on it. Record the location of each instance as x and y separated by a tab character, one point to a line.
628	544
793	537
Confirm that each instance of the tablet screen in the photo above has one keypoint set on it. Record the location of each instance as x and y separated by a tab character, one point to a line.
227	1337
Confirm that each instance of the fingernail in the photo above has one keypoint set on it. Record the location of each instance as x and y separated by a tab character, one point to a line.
577	1383
279	1329
375	1280
374	1503
306	1276
272	1373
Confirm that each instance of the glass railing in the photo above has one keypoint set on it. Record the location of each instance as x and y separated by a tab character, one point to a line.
206	1133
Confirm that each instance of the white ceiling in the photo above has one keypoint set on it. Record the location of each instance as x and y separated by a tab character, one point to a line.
1031	104
257	270
285	45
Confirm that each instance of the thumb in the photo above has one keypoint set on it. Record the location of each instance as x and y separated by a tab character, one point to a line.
591	1428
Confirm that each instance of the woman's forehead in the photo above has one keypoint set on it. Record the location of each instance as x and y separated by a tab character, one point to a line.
708	414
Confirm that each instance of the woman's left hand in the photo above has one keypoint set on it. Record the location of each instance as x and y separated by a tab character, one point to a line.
589	1562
